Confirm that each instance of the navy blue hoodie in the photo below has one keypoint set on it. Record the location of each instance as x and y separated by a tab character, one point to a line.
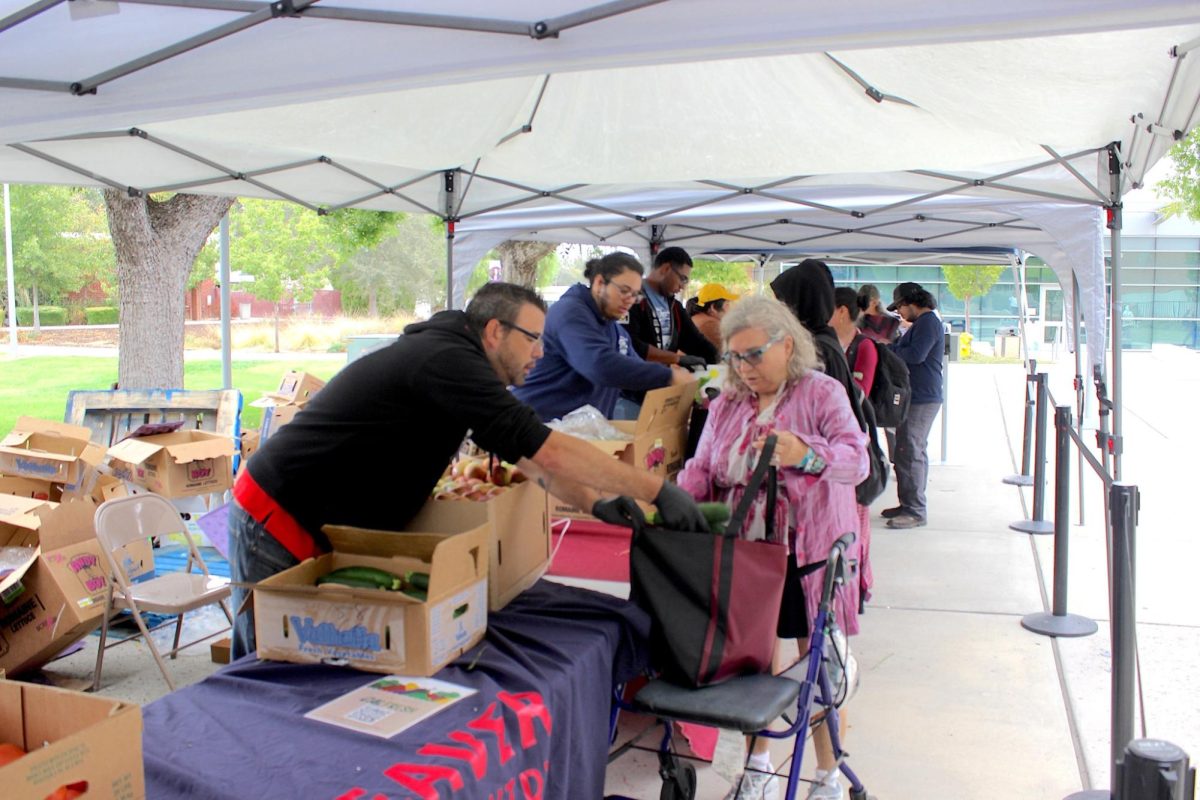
588	361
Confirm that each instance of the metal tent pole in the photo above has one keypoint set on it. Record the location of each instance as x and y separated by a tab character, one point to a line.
1080	390
1114	444
448	185
8	264
226	324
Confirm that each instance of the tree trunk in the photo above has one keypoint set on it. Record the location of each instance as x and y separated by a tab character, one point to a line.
372	305
967	314
519	260
276	327
37	314
156	244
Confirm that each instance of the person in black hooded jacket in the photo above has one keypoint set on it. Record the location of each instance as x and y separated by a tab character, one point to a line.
807	289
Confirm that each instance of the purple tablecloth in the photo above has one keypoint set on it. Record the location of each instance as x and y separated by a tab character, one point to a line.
537	728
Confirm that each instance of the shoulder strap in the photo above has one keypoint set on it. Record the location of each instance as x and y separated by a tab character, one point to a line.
761	470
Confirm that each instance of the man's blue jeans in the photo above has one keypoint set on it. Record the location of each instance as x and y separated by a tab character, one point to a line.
254	555
912	456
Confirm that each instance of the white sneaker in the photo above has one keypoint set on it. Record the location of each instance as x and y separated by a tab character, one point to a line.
828	786
753	785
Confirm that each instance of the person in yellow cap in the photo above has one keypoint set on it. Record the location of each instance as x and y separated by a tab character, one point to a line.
708	307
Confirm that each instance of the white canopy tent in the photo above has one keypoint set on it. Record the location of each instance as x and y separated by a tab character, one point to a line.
873	119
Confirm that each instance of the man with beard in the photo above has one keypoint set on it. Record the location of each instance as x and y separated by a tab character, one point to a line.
589	357
415	401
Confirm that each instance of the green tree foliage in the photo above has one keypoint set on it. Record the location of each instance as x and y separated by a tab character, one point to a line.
405	268
734	275
966	281
60	242
1183	188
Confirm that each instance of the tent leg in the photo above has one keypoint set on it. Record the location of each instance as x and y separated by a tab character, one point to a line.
8	261
450	220
226	324
1080	393
1115	319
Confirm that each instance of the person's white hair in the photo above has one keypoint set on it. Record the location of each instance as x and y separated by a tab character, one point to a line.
774	319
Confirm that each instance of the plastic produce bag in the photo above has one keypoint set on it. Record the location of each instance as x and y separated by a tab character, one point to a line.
587	422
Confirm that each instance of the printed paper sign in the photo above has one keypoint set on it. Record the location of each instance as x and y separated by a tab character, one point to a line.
387	706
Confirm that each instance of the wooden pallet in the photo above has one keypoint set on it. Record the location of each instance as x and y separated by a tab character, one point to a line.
113	415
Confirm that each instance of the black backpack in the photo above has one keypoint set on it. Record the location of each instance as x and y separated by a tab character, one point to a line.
891	391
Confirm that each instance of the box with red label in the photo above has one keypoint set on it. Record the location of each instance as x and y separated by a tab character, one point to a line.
54	582
177	464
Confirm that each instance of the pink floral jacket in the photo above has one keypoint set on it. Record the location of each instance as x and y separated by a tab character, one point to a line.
816	509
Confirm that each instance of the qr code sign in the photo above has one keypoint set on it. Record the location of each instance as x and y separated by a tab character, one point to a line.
368	714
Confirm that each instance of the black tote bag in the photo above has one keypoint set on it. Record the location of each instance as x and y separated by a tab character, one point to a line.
713	599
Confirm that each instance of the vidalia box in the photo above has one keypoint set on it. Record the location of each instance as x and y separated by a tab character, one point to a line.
30	487
49	451
373	629
92	745
56	594
518	525
659	439
176	464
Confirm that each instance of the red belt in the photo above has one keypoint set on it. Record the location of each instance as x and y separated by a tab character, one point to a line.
274	518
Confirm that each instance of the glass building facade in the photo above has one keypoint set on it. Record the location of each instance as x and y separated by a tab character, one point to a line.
1160	292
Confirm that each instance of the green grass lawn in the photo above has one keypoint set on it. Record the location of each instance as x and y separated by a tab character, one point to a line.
38	387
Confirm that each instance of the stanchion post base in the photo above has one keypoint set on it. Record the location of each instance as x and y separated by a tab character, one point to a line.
1018	480
1051	625
1039	526
1090	794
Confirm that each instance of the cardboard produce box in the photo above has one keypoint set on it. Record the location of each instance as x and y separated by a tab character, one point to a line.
659	439
178	464
518	526
31	487
373	629
275	417
249	441
296	387
56	594
90	744
49	451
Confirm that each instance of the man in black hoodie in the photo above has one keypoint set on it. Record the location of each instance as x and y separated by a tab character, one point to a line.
401	413
807	289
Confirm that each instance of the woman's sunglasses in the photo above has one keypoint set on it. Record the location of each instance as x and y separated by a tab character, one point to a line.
752	357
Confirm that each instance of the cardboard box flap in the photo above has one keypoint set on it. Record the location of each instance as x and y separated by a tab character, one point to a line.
19	511
52	714
668	407
30	425
200	450
454	559
15	565
134	451
67	523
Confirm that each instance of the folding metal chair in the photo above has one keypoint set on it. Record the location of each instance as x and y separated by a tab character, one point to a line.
125	520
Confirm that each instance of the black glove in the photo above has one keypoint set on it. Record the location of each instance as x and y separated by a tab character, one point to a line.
621	510
689	362
678	510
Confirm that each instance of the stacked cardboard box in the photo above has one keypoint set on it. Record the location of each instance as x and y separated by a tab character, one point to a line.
53	589
517	522
77	745
182	463
658	440
45	459
374	629
282	405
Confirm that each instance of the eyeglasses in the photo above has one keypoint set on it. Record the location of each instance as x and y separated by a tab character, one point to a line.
626	291
752	357
533	337
684	279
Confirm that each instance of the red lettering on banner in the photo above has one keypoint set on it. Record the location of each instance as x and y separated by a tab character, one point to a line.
528	706
353	794
530	791
511	788
492	721
420	778
475	752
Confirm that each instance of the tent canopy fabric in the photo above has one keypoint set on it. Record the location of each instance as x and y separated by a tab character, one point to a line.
871	118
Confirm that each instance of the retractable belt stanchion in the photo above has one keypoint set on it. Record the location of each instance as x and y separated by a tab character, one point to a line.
1060	623
1025	478
1038	524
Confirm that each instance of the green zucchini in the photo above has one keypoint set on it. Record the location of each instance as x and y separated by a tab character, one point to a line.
352	583
417	580
716	514
378	578
419	594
